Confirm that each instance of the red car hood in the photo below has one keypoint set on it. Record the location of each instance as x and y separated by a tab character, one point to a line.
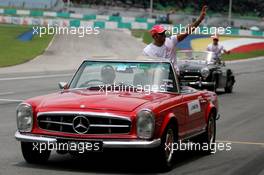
119	101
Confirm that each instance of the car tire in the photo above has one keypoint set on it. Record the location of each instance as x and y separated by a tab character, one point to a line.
229	85
32	155
208	137
166	156
213	88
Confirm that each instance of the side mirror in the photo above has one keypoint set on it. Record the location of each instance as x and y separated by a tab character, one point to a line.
63	85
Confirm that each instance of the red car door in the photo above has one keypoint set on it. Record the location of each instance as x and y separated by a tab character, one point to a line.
194	105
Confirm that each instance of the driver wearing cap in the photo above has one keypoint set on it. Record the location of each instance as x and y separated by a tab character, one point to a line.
216	48
165	47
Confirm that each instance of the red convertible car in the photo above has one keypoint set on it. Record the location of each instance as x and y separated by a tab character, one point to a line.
117	104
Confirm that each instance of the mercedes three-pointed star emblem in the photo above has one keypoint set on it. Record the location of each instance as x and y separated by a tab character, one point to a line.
81	124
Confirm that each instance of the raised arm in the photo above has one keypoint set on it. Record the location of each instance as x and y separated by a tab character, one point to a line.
192	27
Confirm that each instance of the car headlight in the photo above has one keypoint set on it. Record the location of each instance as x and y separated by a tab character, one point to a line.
145	124
24	117
205	72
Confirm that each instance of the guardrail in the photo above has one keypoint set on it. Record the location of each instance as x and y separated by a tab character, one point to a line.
39	13
72	23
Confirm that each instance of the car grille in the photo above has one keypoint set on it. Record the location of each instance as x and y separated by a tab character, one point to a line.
98	124
190	76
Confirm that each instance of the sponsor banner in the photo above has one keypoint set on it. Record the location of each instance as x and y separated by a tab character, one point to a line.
128	19
87	24
8	19
75	15
139	25
151	20
245	32
36	21
50	14
102	17
23	12
56	22
16	20
111	25
3	20
26	21
47	22
1	11
65	23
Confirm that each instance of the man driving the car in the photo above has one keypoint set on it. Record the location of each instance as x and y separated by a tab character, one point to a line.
217	49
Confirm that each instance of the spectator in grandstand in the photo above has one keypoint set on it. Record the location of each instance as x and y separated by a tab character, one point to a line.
165	47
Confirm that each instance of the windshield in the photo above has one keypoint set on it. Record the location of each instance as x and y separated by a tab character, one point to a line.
192	55
153	76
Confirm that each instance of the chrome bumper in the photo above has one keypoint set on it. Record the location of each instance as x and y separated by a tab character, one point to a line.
106	143
201	83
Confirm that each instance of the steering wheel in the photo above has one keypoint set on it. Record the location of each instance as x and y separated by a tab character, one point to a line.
89	81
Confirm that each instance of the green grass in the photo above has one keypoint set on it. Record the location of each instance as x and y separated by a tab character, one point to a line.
239	56
14	51
146	37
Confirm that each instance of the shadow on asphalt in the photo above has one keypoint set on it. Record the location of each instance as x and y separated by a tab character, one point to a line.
112	162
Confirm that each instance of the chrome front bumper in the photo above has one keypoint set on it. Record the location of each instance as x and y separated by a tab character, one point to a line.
201	83
198	83
106	143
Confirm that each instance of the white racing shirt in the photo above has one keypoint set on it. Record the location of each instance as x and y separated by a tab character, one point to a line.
217	49
167	50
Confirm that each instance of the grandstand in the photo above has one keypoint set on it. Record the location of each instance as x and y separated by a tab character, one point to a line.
29	4
136	9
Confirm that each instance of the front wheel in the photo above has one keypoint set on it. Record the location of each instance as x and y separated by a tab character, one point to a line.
165	150
229	85
207	139
33	155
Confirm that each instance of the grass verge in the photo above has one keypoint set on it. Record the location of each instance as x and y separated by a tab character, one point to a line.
14	51
239	56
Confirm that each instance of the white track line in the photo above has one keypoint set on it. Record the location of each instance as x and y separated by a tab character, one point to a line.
35	77
6	93
240	142
10	100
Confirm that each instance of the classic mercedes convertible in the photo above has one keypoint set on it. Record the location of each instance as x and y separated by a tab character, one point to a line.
117	104
202	70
